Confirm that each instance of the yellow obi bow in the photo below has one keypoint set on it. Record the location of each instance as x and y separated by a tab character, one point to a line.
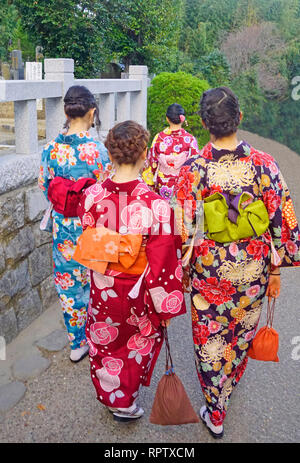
100	249
228	219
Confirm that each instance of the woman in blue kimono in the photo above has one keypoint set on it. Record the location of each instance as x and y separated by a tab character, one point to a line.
73	155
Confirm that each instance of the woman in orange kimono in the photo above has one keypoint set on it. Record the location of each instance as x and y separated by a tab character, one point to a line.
136	275
236	258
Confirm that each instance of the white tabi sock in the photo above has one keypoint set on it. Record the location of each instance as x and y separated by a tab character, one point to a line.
205	415
76	354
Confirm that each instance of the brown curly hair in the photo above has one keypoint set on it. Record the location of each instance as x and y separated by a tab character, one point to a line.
126	142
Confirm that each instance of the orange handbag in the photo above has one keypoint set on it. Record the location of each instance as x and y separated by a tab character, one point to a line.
266	341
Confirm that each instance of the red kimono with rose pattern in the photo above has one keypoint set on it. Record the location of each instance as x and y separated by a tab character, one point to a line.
229	280
123	329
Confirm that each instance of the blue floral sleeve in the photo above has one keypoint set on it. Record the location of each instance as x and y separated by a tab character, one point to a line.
103	162
103	154
44	173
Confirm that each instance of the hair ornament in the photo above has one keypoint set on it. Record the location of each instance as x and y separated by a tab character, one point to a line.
222	99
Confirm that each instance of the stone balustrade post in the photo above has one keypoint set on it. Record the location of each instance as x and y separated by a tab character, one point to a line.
123	106
61	69
139	99
107	110
26	134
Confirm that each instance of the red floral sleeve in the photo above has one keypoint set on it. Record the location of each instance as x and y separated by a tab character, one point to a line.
194	150
81	212
187	204
164	290
283	222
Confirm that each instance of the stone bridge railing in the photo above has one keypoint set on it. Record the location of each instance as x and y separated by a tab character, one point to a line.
26	282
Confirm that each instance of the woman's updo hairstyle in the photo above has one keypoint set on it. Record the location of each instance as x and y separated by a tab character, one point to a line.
174	112
77	102
126	142
220	111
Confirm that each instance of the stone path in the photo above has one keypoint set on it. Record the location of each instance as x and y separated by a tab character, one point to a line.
46	398
28	356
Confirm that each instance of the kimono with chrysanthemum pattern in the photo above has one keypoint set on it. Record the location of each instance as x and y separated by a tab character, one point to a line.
229	280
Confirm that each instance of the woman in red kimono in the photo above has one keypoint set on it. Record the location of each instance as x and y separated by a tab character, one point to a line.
136	279
169	151
232	267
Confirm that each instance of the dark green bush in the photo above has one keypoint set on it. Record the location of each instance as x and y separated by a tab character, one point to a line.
182	88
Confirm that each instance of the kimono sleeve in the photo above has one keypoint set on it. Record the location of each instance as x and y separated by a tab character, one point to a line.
283	227
85	212
45	176
187	205
164	278
194	149
150	171
103	163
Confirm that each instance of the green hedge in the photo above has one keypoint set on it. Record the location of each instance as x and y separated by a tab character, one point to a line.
182	88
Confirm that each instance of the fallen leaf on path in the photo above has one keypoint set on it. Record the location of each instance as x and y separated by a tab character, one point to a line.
41	407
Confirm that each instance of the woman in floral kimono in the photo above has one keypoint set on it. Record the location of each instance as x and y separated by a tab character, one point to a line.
169	151
249	231
136	277
73	155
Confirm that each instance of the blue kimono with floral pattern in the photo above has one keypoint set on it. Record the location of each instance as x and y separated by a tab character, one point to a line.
72	157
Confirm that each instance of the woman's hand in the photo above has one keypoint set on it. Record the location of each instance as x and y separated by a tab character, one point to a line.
165	323
273	289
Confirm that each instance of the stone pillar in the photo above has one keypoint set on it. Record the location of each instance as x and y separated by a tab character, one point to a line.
139	99
5	71
61	69
26	127
123	106
17	65
107	110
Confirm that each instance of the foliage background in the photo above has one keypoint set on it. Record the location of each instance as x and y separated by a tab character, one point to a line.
253	46
181	88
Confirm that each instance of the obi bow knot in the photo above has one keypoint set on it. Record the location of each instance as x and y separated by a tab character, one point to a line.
100	249
230	218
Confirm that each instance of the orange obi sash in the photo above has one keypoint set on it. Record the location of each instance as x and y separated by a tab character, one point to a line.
101	249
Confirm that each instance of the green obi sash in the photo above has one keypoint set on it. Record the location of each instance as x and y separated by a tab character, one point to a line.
225	220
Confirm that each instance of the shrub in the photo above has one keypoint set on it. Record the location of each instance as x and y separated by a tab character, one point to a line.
167	88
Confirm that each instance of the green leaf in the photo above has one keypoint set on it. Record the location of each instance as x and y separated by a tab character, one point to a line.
206	366
221	308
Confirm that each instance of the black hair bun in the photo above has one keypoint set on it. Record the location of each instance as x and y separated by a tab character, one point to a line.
174	112
78	101
220	111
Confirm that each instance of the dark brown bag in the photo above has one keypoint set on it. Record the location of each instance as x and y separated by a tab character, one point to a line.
171	404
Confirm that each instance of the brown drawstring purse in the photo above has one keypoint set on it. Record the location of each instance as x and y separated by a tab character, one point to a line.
171	404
